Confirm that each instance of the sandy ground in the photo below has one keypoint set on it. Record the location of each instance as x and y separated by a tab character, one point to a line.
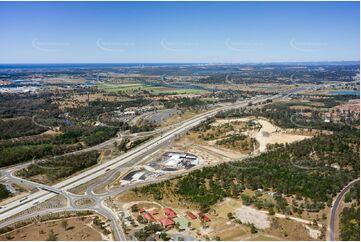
209	153
229	230
314	233
77	230
271	134
267	134
229	120
250	215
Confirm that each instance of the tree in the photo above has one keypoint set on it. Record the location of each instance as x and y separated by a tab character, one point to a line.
64	224
4	193
230	215
9	237
177	226
253	228
271	211
141	219
52	236
163	236
134	208
238	221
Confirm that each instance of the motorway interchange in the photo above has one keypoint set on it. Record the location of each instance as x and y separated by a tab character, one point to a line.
103	174
106	170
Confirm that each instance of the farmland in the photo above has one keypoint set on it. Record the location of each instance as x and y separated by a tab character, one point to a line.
153	90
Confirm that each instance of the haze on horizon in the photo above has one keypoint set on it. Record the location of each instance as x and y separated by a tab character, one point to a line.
178	32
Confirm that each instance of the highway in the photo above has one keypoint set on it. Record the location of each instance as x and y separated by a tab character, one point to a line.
98	205
335	204
113	165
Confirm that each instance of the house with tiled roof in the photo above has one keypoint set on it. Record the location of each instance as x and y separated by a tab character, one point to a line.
204	217
149	217
190	215
170	213
167	223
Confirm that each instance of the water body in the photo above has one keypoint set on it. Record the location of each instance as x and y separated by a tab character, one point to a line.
29	83
351	93
19	83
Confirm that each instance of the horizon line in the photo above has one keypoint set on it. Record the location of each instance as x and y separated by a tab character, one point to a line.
211	63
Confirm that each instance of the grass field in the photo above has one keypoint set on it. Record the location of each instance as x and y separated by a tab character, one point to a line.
263	237
166	90
120	87
77	229
156	90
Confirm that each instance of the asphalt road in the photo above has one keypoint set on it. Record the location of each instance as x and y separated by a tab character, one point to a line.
335	204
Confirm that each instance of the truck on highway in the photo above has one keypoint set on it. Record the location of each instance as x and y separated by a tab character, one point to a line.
22	200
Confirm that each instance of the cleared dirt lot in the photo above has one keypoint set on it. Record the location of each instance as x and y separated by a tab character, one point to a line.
262	130
250	215
271	134
268	133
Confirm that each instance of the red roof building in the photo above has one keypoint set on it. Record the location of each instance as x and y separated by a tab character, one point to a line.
149	217
141	210
190	215
166	222
204	217
170	213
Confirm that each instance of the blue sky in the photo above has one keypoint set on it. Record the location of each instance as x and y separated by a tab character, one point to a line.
154	32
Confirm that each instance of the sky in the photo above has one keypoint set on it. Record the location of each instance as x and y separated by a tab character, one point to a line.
178	32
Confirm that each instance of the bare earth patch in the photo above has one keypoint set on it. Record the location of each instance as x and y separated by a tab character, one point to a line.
271	134
251	215
77	229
